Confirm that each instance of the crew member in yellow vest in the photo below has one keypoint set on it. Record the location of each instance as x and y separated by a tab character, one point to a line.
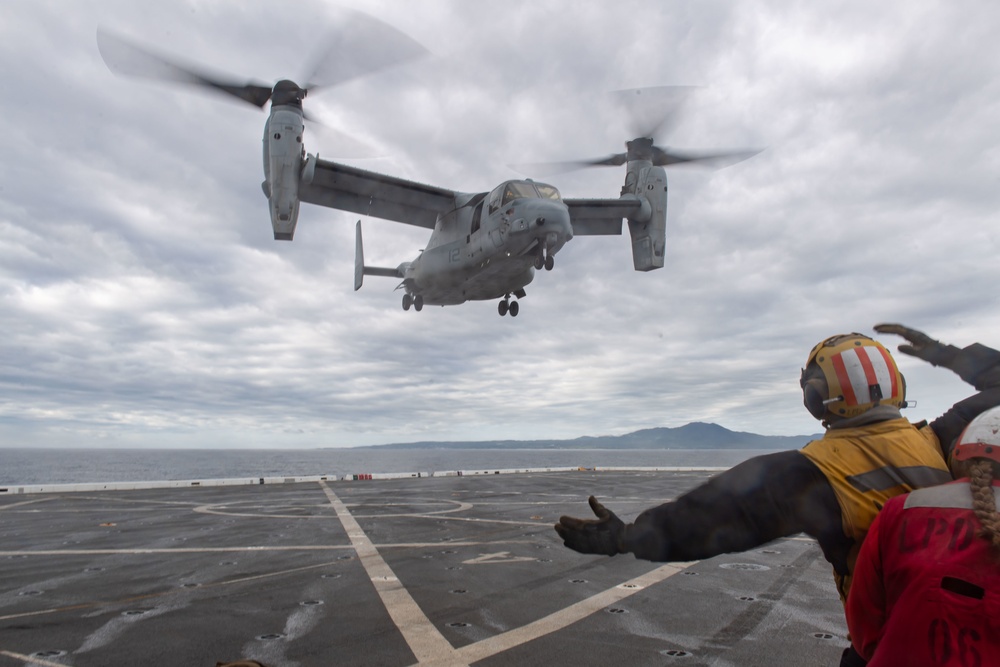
833	488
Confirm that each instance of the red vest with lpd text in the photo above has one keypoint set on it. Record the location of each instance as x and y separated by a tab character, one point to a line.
926	587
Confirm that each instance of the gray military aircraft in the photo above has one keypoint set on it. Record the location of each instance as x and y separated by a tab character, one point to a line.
483	246
486	246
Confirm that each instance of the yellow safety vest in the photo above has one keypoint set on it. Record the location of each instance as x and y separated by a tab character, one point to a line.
867	465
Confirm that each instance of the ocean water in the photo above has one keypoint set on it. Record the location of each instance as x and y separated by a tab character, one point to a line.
66	466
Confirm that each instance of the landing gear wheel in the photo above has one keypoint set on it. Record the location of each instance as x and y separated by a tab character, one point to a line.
508	306
418	303
539	261
549	262
407	301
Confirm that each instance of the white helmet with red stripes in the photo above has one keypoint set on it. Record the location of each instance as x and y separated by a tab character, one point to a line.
980	439
847	375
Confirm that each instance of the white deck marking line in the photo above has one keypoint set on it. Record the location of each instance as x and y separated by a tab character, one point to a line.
556	621
220	509
23	502
470	519
423	638
448	545
138	501
177	550
31	660
199	550
148	596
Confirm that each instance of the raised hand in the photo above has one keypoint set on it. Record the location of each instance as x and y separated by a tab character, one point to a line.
921	345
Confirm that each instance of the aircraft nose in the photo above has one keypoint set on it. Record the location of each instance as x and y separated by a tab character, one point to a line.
554	217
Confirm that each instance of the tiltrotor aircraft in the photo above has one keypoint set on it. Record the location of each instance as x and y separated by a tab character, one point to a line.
483	246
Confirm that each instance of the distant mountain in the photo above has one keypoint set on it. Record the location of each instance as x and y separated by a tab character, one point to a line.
696	435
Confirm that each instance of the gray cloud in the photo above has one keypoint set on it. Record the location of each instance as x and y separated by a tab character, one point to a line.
143	302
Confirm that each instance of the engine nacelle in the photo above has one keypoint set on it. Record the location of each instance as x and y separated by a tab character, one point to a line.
648	228
283	155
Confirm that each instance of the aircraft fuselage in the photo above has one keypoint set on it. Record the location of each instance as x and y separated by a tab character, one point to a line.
490	246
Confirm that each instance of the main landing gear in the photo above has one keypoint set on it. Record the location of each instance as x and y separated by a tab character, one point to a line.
508	306
416	301
544	259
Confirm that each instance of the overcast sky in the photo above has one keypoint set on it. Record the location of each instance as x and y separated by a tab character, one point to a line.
144	303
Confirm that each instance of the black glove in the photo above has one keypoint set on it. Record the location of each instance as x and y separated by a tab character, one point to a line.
605	535
921	345
976	364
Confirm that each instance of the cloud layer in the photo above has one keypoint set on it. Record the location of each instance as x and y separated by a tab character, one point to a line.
143	301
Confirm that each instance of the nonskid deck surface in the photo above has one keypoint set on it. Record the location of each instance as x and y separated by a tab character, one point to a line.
430	571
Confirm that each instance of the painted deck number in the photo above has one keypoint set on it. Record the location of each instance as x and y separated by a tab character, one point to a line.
499	557
453	255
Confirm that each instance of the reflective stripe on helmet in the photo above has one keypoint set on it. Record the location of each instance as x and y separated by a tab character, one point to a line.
858	369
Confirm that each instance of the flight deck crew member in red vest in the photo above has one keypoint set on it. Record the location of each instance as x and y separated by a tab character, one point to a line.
831	489
926	585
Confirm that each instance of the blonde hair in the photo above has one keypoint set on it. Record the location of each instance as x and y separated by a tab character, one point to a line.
982	472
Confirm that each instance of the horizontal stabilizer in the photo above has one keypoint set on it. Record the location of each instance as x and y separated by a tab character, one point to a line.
386	273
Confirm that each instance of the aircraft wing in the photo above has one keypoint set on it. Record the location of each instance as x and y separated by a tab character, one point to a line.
600	217
365	192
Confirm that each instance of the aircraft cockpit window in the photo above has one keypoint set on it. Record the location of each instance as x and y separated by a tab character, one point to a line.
518	190
477	217
495	199
513	190
547	191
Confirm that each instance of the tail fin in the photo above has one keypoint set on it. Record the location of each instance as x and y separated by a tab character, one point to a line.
360	270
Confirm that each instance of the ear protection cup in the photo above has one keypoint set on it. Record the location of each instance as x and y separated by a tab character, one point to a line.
814	393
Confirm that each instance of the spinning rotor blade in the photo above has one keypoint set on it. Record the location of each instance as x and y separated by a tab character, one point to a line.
653	111
659	157
663	158
361	45
128	59
650	112
552	168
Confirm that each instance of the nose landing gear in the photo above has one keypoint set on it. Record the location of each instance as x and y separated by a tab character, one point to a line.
508	306
543	259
